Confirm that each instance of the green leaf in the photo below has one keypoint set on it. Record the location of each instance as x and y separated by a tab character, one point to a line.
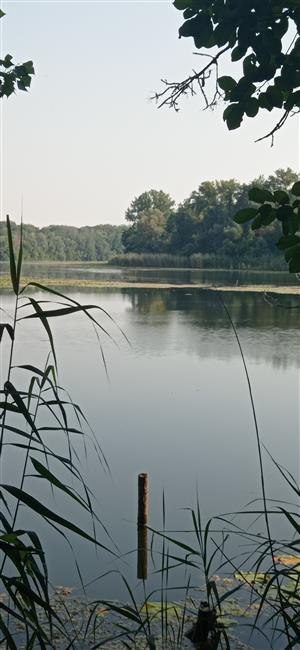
11	390
243	90
46	474
226	83
9	328
12	260
7	61
252	107
287	242
285	212
293	224
2	13
28	67
233	116
21	86
264	102
245	215
257	223
39	313
268	214
296	189
249	64
182	4
281	197
294	265
47	514
20	255
289	252
200	28
275	96
238	52
125	611
259	196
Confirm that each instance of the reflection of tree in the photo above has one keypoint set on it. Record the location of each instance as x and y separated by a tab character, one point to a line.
202	307
268	332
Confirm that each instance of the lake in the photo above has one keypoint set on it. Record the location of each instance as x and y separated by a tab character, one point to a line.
176	405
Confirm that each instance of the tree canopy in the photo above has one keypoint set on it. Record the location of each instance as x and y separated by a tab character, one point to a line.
262	38
65	243
202	225
150	200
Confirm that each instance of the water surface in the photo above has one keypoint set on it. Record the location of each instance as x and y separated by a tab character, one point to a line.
176	406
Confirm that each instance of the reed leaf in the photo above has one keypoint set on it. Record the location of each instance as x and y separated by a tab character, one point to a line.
45	473
48	514
12	259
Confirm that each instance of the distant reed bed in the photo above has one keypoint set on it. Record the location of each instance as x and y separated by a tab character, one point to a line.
151	260
195	261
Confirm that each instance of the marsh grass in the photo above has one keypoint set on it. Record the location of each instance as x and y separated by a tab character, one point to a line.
31	418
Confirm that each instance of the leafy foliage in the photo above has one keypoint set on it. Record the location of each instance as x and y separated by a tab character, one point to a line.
151	200
65	243
266	72
202	227
14	76
280	206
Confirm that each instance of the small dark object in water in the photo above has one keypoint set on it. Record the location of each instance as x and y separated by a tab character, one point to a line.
204	633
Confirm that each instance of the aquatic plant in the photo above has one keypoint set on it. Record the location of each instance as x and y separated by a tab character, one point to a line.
40	427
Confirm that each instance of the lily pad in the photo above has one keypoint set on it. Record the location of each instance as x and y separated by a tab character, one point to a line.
250	577
155	608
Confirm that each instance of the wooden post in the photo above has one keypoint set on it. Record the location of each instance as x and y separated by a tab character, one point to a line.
142	500
142	520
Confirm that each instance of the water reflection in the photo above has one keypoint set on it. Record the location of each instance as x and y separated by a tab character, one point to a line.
246	308
269	332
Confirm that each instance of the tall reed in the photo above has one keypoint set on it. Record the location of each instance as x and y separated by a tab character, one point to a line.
33	413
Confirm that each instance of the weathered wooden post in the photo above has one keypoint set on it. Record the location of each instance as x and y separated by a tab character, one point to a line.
204	634
142	520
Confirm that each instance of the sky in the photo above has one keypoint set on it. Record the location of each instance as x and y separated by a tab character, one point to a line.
86	139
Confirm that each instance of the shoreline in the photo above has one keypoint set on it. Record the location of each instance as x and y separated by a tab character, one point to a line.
5	283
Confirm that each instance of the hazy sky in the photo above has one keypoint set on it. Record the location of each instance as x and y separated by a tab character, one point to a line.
86	139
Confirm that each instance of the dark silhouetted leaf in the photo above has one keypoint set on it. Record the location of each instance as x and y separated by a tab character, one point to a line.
281	197
296	189
252	107
260	196
226	83
12	260
47	514
287	242
245	215
233	116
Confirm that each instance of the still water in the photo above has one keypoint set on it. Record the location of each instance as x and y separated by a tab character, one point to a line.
176	405
100	271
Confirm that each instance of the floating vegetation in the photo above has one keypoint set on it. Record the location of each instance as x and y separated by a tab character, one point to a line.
155	608
289	560
5	283
251	577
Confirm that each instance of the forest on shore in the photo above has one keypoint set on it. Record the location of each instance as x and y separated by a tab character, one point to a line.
65	243
200	232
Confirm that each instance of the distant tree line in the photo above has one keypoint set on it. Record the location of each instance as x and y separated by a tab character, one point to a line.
201	232
65	243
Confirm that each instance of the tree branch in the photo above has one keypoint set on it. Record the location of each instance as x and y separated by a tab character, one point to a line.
174	90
